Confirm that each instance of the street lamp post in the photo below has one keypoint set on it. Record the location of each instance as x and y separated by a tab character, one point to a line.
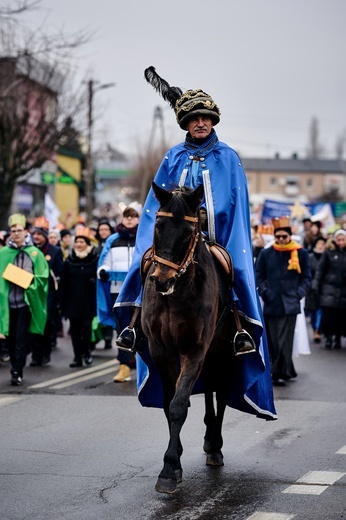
90	178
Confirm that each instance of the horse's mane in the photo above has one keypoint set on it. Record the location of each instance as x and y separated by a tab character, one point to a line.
177	205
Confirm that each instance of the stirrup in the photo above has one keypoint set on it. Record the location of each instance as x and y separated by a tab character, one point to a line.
126	339
243	343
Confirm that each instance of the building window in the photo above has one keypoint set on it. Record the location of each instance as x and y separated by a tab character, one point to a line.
273	182
309	183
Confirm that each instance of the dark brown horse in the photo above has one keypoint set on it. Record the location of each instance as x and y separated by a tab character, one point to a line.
181	318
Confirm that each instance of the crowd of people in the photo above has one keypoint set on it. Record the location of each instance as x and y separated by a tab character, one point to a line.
89	275
48	275
303	273
70	266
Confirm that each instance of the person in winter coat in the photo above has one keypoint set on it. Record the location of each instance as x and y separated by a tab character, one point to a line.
104	230
78	295
330	285
312	234
312	304
114	263
42	346
23	307
283	277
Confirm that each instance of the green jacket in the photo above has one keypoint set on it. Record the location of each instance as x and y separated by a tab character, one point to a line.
35	295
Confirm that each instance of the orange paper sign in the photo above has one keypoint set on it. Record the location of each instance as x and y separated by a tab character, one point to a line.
18	276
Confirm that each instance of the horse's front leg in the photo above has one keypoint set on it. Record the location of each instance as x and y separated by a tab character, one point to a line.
213	441
169	476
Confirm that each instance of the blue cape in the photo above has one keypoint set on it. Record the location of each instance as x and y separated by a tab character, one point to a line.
103	289
227	203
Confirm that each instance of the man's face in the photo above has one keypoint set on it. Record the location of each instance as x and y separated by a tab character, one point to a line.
66	240
130	222
18	234
38	239
53	238
282	238
104	231
199	127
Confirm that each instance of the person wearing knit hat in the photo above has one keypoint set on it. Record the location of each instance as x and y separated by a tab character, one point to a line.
201	159
330	286
65	242
24	275
104	230
283	278
78	295
42	346
312	303
113	265
41	226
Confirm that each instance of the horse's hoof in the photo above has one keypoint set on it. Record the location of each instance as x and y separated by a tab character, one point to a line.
214	459
166	485
179	475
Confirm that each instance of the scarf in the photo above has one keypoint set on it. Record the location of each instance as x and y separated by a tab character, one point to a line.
200	147
293	262
126	233
84	253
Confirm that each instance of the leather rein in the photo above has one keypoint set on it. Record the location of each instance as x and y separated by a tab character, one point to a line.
188	258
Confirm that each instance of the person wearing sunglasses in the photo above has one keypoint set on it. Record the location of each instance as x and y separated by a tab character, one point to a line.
283	278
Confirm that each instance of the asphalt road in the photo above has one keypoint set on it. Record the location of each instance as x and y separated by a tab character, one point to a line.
75	445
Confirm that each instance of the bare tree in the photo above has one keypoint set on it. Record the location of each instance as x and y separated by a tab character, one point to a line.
34	104
315	149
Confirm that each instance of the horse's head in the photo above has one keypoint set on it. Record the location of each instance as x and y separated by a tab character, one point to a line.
175	236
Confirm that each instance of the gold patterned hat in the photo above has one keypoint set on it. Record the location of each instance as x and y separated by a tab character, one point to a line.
15	219
186	105
196	103
282	223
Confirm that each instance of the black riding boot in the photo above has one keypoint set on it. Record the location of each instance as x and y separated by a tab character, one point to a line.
132	339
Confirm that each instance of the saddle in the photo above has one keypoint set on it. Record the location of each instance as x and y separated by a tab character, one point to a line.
242	342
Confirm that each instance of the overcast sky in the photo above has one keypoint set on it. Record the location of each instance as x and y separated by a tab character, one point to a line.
270	65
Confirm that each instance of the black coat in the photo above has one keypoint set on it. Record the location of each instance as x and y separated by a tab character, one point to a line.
330	278
312	302
281	289
78	286
53	255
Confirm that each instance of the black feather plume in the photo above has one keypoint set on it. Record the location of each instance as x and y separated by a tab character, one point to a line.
170	94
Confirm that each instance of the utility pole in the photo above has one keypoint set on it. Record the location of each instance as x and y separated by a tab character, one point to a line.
90	178
148	173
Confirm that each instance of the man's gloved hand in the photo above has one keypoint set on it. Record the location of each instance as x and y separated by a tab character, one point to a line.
104	275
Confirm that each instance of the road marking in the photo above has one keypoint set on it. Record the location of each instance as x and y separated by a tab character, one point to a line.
305	490
314	482
321	477
83	378
8	400
270	516
79	373
342	451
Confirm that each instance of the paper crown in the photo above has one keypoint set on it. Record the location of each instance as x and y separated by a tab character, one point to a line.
83	231
15	219
281	222
41	222
265	229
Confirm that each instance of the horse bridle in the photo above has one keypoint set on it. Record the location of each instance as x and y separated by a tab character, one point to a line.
188	258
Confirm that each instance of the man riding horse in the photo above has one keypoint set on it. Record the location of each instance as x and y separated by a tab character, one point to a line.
203	159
